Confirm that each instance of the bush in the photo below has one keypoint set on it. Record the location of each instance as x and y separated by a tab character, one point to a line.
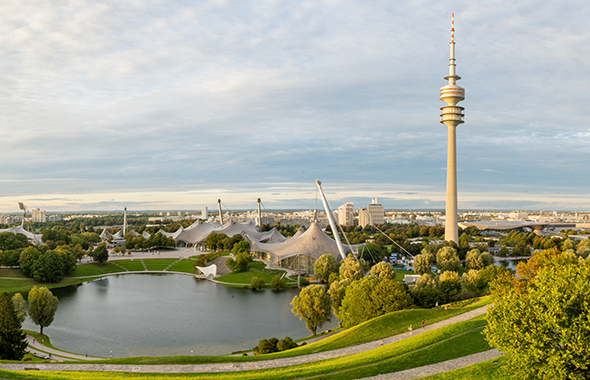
266	346
428	297
286	344
450	288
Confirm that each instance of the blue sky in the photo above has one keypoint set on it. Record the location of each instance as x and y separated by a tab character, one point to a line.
174	104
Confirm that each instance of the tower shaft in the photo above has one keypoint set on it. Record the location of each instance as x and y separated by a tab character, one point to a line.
451	229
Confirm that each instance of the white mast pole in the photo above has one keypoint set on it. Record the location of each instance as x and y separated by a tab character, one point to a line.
220	213
331	219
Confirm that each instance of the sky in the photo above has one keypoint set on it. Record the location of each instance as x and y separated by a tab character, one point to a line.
171	105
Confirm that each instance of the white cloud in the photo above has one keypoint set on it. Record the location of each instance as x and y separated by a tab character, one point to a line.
165	97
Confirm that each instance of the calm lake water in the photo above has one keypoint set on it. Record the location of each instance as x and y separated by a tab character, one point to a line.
168	314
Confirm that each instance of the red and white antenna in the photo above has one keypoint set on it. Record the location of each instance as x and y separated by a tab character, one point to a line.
452	28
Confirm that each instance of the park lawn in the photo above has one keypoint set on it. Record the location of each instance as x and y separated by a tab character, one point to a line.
257	265
94	269
381	327
492	369
158	264
131	265
431	347
12	273
24	285
240	278
184	265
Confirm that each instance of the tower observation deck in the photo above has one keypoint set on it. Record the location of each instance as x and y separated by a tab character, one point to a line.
452	115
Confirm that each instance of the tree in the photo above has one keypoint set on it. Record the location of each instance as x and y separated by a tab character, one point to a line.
371	297
313	306
324	266
350	268
257	283
27	260
469	280
101	254
488	274
447	259
278	282
383	270
240	246
449	284
478	260
540	317
337	291
20	307
504	251
426	282
421	264
240	263
10	241
12	339
42	306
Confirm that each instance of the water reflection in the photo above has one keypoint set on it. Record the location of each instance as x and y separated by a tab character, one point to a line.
166	314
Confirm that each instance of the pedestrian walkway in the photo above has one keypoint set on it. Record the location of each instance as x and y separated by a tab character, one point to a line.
248	366
433	369
40	350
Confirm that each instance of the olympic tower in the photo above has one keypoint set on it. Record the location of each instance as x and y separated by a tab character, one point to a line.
452	115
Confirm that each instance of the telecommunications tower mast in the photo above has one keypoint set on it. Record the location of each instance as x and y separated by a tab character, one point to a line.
452	115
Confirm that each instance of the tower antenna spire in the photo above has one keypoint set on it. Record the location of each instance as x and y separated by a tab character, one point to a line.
452	28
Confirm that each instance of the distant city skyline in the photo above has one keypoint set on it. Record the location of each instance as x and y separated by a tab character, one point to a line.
158	106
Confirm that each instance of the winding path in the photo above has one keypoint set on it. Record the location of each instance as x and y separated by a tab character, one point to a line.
247	366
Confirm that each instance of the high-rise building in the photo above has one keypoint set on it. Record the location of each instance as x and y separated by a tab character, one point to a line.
204	213
346	214
38	215
452	115
373	214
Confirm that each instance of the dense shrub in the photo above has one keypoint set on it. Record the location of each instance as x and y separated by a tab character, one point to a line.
428	297
266	346
286	344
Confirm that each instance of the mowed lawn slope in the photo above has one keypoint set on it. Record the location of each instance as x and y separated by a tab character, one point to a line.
449	342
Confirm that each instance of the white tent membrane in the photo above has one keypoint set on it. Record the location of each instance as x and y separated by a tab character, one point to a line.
299	253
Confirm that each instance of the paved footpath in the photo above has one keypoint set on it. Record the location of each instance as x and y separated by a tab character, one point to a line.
433	369
247	366
40	350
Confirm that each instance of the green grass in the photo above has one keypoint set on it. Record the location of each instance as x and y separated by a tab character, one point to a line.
158	264
12	273
94	269
245	277
25	285
183	265
131	265
257	265
492	369
446	343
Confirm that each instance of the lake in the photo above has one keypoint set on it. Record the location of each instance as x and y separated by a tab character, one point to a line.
168	314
